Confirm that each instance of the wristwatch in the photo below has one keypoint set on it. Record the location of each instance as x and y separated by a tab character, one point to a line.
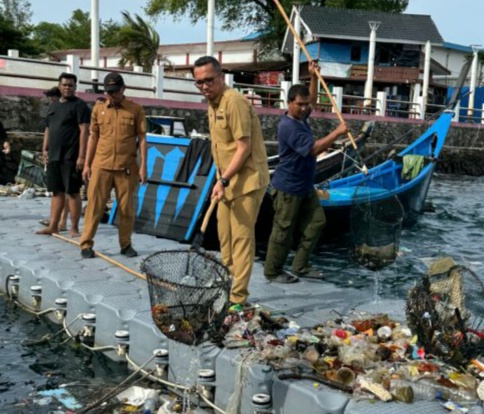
224	181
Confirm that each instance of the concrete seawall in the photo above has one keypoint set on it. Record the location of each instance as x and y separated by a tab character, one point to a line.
23	110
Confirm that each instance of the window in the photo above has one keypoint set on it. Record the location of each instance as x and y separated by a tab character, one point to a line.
383	56
356	53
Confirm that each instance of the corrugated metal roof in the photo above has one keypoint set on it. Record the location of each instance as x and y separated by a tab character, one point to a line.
327	22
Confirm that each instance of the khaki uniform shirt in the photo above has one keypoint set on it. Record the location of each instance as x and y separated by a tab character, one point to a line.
233	118
118	129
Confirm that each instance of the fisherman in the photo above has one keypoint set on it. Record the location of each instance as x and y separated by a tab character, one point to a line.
296	204
64	150
243	174
118	133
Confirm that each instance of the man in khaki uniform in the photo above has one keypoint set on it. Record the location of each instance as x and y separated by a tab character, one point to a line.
240	157
118	131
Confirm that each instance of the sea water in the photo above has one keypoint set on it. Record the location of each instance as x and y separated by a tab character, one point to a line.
456	229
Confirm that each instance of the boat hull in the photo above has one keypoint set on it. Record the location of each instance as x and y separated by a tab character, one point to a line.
338	218
387	180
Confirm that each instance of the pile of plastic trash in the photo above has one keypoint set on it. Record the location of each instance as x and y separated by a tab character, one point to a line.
22	191
370	356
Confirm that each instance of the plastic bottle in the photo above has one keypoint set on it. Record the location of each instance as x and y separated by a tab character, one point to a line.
151	402
426	389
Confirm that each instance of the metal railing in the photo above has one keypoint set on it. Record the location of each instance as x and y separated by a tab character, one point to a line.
262	95
25	73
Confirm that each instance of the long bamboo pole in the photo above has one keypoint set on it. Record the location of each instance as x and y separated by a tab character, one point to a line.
104	257
320	77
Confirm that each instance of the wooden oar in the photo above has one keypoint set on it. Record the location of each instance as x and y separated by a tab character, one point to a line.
198	239
321	80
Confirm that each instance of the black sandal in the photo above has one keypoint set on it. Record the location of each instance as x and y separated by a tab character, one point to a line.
283	278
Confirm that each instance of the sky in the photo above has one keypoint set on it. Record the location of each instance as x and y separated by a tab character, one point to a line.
458	21
171	32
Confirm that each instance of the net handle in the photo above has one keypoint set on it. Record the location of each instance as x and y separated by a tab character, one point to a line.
208	214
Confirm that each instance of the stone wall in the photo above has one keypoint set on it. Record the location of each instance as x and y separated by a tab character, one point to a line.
463	154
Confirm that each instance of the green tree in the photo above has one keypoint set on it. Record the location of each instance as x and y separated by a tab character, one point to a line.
260	15
74	34
109	33
17	11
78	30
49	37
12	37
139	42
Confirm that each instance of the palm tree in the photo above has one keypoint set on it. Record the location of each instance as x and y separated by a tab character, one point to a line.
139	43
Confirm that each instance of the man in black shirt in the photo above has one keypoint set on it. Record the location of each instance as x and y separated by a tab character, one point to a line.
64	150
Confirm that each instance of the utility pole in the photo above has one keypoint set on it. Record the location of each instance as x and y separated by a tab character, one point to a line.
472	87
371	64
426	79
210	26
94	42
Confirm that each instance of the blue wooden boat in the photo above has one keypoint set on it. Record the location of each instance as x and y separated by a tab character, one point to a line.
386	180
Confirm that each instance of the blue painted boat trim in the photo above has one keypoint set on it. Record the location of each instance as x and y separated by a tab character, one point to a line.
205	194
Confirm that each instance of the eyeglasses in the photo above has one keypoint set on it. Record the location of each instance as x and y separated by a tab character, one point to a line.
207	81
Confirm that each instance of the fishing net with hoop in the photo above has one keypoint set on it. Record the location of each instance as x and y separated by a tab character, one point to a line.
189	293
376	228
446	311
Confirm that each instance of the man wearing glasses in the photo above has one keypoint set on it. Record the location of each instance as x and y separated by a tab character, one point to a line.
64	150
240	157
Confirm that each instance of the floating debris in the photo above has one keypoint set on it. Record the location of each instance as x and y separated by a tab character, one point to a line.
373	356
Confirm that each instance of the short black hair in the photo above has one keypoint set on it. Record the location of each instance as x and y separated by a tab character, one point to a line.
297	90
205	60
65	75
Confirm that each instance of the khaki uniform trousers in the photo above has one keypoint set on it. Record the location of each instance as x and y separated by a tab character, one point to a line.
236	229
100	186
293	215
